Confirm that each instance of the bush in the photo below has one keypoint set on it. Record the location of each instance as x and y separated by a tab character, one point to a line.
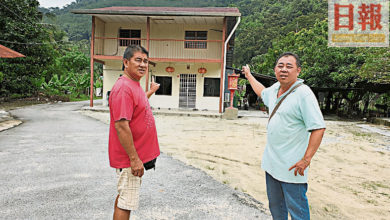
16	96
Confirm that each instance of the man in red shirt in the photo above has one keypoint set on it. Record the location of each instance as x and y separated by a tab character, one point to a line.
133	136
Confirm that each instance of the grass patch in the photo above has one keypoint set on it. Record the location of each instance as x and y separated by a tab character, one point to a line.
360	134
374	185
381	185
371	201
82	97
385	194
355	192
210	168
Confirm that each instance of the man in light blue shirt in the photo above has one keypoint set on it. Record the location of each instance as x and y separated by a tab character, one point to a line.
294	134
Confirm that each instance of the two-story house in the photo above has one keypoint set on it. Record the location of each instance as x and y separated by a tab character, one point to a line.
189	49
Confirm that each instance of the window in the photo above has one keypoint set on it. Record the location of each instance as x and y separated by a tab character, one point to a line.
126	33
211	87
195	35
165	85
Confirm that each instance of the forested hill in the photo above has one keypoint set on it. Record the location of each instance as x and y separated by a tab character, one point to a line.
78	26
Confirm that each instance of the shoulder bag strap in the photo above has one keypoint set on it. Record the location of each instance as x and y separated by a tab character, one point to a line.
280	102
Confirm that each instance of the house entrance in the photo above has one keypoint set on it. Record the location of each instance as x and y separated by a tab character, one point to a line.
187	95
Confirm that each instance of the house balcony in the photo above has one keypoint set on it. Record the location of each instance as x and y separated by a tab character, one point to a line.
163	50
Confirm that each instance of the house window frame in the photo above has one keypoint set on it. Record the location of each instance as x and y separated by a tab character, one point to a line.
217	89
161	89
132	40
188	44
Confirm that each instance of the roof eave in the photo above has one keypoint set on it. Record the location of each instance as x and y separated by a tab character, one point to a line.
155	13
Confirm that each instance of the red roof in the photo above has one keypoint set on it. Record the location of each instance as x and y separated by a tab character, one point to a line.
170	9
5	52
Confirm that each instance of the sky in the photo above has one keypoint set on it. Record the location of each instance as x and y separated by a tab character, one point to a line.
54	3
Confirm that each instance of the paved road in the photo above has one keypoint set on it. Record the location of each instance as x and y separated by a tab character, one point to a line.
55	166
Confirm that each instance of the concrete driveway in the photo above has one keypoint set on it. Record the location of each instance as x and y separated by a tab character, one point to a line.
55	166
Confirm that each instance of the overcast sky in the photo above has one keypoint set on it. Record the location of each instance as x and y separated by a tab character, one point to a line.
54	3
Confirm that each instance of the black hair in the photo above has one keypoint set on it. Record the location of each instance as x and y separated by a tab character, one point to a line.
130	50
285	54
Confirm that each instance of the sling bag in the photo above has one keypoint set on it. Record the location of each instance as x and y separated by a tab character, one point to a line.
280	102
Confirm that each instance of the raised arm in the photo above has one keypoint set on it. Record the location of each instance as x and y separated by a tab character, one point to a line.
153	88
256	85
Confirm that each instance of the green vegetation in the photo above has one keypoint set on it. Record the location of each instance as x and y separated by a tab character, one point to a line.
82	97
210	168
372	201
241	91
57	53
270	28
21	31
360	134
372	185
266	21
365	69
53	67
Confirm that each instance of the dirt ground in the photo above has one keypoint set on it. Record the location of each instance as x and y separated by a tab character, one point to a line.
349	176
20	103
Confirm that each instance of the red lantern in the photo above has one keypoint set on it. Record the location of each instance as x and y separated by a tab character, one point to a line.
202	70
170	69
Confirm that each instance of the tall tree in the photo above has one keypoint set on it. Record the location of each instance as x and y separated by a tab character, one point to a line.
323	66
21	30
267	20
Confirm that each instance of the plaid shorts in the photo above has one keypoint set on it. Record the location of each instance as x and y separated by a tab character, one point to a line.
128	189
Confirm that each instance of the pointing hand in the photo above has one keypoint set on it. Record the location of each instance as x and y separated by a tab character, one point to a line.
246	70
154	86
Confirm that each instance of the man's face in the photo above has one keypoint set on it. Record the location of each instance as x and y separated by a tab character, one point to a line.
286	70
137	66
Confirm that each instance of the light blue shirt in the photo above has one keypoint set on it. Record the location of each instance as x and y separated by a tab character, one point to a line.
288	131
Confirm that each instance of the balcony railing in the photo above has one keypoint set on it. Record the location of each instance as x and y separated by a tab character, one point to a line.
162	48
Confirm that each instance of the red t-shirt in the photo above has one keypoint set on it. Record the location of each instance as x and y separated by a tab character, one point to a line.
128	101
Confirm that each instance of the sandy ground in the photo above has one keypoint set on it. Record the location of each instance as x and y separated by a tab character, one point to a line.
349	176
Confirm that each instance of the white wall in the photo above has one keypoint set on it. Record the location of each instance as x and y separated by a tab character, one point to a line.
99	32
112	68
164	101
